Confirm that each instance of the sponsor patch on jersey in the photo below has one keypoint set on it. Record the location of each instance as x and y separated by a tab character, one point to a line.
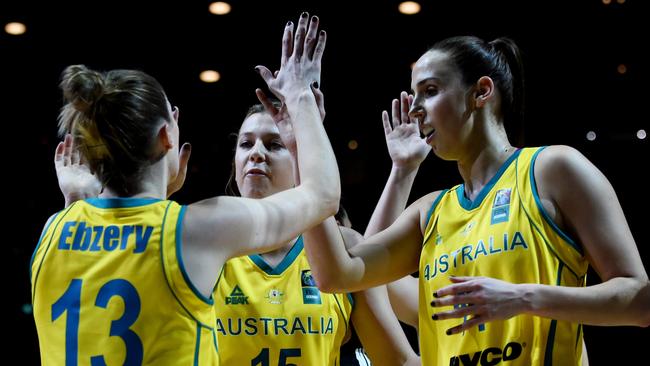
310	293
501	206
237	297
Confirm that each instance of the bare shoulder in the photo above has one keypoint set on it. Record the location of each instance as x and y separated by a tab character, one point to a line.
559	157
423	206
558	166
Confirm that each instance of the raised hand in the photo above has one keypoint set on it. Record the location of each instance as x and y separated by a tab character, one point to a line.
281	116
481	299
405	146
76	181
300	63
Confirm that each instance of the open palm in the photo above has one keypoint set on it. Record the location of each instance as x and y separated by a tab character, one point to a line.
405	146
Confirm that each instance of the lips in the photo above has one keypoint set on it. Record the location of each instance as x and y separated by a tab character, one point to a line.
429	137
256	172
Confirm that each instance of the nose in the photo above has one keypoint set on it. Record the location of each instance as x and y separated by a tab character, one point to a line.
416	111
258	152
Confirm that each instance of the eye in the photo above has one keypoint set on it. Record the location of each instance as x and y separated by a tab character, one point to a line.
245	144
276	145
431	91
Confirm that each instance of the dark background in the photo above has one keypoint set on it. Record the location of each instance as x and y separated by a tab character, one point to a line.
571	51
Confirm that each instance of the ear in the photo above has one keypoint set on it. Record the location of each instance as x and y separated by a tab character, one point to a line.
165	137
484	91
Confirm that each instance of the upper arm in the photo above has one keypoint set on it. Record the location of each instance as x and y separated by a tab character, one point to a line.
582	201
236	226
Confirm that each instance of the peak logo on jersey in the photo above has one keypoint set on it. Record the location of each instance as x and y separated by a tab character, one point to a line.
275	296
237	297
310	293
501	206
489	356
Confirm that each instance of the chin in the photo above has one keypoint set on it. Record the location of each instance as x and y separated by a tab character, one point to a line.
255	193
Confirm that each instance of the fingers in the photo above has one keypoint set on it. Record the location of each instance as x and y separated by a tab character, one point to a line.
475	321
287	43
320	47
266	102
311	38
386	121
404	101
458	312
67	149
395	109
58	153
75	157
265	73
299	39
463	285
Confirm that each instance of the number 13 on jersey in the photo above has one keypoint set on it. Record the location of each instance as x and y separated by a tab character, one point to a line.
70	303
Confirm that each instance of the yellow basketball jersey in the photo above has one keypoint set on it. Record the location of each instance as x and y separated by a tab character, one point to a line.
506	234
109	288
272	317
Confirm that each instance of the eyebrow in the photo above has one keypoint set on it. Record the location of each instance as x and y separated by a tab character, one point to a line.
433	78
271	135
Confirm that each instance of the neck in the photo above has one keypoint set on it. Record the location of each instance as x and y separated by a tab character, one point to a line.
275	257
153	183
484	159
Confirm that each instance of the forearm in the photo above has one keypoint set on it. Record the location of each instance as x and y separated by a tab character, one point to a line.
378	329
403	296
393	199
315	157
618	301
331	265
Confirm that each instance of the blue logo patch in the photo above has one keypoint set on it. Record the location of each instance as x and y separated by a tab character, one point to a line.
310	293
501	206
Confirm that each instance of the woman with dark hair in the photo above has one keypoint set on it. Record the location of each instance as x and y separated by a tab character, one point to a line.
502	257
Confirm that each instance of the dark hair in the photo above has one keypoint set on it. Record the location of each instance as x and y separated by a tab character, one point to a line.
499	59
113	118
231	186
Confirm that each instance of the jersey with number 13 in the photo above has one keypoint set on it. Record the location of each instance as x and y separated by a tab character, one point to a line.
109	288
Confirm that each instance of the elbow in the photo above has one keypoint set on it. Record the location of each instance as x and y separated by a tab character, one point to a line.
331	200
327	199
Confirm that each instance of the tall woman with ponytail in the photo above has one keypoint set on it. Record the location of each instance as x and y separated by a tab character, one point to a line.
503	256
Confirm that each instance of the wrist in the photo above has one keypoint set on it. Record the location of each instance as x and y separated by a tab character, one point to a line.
298	95
528	299
400	171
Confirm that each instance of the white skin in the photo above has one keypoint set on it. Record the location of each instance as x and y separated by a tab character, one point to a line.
261	146
461	124
264	166
220	228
